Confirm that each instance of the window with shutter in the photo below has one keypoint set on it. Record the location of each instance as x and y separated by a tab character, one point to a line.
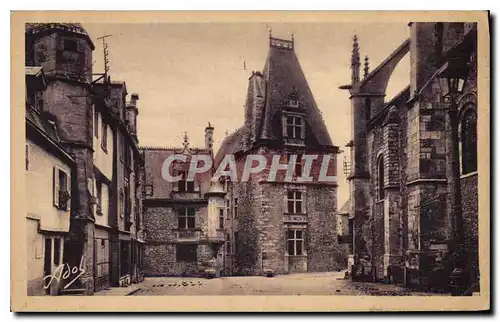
55	186
104	141
61	186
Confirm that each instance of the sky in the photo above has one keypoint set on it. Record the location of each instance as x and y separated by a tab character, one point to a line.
189	74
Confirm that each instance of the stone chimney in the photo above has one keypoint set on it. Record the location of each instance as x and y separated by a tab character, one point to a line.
209	136
132	113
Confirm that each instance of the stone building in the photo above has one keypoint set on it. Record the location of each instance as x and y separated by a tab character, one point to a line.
402	185
279	226
49	170
182	220
97	127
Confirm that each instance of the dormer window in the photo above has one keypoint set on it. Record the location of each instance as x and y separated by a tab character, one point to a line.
294	127
293	103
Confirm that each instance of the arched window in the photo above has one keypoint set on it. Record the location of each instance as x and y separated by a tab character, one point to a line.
380	177
469	141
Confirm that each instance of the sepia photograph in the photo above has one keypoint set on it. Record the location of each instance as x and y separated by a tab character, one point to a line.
259	157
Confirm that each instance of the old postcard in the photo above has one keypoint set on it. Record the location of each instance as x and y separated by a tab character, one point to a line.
250	161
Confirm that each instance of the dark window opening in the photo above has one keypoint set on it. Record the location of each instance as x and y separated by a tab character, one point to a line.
295	242
294	200
186	218
469	142
294	127
184	185
70	45
47	265
57	251
186	252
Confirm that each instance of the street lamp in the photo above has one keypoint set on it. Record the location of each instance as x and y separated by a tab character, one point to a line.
452	81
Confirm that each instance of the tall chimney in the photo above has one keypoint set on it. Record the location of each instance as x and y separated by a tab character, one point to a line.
132	113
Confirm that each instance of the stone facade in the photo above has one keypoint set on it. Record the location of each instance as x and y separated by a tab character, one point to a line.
175	245
401	173
265	233
73	101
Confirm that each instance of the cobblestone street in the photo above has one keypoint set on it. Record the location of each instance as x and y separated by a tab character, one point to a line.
331	283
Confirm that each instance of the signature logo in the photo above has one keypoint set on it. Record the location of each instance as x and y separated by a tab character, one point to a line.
63	272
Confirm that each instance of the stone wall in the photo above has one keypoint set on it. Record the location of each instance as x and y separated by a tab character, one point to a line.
160	224
470	223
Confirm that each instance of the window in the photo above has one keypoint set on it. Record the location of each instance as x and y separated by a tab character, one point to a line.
184	185
380	175
186	252
99	197
104	142
469	141
221	218
27	156
294	127
70	45
186	218
228	244
235	208
294	202
96	122
47	265
295	242
61	189
57	251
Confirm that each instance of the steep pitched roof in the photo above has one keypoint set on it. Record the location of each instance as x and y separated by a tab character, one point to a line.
284	75
266	95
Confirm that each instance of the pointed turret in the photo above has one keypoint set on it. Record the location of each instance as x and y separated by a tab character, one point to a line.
355	64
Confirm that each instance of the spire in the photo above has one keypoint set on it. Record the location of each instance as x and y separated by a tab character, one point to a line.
366	70
355	61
